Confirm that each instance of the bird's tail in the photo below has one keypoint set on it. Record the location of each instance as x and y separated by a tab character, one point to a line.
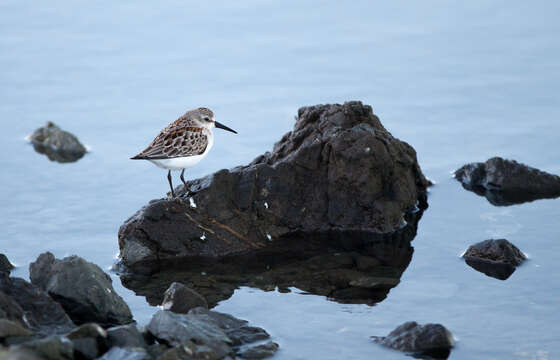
138	157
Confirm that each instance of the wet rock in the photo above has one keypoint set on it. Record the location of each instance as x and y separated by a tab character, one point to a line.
58	145
125	336
183	330
262	351
339	169
180	299
42	314
5	265
89	341
495	258
507	182
50	348
82	288
120	353
334	265
431	340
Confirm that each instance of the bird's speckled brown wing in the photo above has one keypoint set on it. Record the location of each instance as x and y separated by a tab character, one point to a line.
175	142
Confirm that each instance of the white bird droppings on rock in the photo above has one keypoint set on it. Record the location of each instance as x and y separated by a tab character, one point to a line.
192	203
266	205
203	237
268	237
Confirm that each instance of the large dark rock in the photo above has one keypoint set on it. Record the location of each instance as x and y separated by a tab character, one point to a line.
339	169
40	312
495	258
57	144
5	264
349	267
82	288
507	182
180	299
430	340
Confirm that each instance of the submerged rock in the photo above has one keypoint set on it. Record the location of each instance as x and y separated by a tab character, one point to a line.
495	258
339	169
35	308
507	182
180	299
430	340
57	144
5	265
82	288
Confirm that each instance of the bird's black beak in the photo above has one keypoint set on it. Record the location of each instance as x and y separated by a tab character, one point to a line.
221	126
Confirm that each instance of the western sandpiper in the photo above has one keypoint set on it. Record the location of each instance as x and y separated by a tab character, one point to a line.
183	143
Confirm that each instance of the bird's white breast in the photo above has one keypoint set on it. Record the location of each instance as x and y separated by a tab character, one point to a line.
185	162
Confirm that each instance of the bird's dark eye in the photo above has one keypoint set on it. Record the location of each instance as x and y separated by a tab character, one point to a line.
206	118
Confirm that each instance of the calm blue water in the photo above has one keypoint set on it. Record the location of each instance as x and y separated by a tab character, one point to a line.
460	81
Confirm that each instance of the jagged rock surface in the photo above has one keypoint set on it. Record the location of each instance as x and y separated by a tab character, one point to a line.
507	182
495	258
82	288
410	337
32	307
338	170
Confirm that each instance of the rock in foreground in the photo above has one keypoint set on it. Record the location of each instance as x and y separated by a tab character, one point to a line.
82	288
507	182
430	340
339	169
32	307
57	144
495	258
206	334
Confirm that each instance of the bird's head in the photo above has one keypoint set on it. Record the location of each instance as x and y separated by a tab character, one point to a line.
204	117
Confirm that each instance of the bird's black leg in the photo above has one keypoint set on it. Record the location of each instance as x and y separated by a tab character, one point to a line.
170	183
187	190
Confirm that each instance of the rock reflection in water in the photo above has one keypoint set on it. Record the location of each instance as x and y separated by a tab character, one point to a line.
347	267
58	156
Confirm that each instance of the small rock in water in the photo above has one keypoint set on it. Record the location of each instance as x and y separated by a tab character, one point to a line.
82	288
58	145
495	258
180	299
507	182
5	265
432	340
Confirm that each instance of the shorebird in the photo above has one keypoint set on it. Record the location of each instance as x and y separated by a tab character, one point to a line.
183	143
